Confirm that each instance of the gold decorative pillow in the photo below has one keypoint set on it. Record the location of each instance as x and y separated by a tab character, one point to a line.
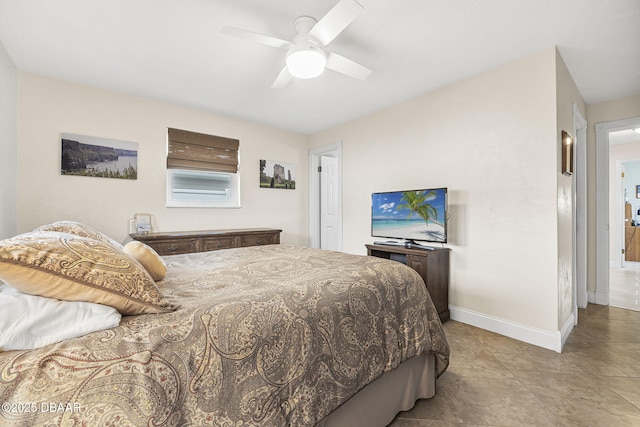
79	229
148	257
74	268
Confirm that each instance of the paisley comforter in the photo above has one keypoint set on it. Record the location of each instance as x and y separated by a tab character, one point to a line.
267	335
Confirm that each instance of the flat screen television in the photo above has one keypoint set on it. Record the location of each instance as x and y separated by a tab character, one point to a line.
413	215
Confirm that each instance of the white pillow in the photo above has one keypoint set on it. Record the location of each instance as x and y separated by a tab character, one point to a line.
29	321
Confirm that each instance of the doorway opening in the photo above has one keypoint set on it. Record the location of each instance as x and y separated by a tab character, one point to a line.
624	214
611	211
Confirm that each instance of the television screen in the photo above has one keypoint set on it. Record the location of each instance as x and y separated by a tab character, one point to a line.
410	215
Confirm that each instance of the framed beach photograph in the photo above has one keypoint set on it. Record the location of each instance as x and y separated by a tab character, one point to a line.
143	222
99	157
277	175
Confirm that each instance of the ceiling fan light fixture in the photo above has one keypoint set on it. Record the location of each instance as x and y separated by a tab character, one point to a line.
306	57
306	63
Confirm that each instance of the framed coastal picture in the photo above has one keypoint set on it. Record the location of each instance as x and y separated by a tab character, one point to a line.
143	222
277	175
99	157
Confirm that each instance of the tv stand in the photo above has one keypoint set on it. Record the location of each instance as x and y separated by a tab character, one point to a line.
409	244
432	265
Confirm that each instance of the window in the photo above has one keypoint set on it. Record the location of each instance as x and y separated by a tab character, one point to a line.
187	188
202	170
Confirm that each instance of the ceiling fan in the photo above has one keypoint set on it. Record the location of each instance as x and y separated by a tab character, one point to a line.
306	57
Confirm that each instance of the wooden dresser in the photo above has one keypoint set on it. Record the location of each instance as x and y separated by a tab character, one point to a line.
631	243
182	242
431	265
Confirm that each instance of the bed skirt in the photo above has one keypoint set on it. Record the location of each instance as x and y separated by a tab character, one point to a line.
395	391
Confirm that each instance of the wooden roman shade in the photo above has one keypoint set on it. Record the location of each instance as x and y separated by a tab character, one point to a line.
198	151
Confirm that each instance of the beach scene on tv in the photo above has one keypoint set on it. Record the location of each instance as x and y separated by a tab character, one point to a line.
410	215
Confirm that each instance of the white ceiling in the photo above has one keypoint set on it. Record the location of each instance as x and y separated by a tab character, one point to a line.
173	50
624	137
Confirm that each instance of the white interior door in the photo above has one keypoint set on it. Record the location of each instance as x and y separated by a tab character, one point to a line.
329	203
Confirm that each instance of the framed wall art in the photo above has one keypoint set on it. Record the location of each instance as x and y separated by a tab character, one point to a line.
567	154
98	157
277	175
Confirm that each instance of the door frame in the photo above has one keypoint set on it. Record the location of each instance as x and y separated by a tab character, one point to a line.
332	150
620	185
580	298
601	295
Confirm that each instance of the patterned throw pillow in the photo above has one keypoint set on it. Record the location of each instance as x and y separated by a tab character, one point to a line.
74	268
148	257
79	229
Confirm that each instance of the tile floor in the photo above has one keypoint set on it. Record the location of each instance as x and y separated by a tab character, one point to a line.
496	381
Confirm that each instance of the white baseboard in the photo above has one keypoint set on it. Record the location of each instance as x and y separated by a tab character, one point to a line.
602	297
541	338
566	330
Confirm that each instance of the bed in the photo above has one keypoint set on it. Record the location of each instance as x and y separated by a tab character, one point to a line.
267	336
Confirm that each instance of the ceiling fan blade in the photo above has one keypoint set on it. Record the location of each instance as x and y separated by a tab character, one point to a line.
336	20
283	79
256	37
346	66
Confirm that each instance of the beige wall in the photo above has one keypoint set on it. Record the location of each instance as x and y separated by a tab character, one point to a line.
8	145
493	141
568	95
619	109
47	107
